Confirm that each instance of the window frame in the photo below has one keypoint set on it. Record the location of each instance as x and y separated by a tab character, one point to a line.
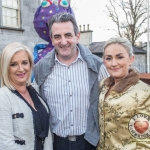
18	26
2	27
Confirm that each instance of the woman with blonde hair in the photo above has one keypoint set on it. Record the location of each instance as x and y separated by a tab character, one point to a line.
124	101
24	115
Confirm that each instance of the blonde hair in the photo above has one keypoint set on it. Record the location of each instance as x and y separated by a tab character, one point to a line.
5	59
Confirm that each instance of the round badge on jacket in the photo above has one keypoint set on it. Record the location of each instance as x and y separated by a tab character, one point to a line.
139	126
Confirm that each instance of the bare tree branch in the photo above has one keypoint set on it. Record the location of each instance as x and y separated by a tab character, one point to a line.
134	12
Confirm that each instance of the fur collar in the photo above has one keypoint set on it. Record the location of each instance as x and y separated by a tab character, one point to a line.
131	79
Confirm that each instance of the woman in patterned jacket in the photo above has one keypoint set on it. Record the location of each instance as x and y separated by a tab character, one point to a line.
124	101
24	115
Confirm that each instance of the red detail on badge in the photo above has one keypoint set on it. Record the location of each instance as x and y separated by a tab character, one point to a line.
141	126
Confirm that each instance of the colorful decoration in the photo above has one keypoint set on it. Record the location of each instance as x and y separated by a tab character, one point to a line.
46	3
43	14
64	3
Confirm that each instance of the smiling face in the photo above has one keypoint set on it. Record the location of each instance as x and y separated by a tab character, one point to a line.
19	68
64	40
117	60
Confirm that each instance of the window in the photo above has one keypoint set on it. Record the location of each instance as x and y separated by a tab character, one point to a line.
11	13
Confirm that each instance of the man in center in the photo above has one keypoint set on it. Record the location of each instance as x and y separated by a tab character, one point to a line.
68	78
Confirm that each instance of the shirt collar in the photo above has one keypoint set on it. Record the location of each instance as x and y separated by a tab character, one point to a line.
78	57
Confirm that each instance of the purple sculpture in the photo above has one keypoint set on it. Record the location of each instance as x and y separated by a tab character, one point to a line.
43	14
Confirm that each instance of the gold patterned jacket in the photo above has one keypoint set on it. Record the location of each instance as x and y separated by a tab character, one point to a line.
124	116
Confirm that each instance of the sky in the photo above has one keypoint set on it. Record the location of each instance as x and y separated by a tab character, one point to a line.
92	12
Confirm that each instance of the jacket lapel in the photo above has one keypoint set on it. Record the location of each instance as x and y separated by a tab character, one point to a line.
93	72
44	67
92	68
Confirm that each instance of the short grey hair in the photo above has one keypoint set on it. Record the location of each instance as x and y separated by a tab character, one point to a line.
124	42
60	18
5	59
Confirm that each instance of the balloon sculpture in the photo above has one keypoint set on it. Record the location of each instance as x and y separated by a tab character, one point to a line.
43	14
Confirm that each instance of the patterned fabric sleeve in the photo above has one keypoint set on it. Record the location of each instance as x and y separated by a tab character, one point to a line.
142	120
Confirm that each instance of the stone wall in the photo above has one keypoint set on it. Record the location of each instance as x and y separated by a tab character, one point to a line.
86	38
85	35
26	35
140	63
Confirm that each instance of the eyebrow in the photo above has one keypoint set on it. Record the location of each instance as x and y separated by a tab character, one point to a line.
16	61
68	33
116	55
57	35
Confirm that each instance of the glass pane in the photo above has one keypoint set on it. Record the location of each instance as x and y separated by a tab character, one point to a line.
9	3
4	2
14	22
14	13
4	11
15	4
8	12
8	20
4	20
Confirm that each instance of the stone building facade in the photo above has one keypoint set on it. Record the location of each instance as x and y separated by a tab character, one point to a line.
16	22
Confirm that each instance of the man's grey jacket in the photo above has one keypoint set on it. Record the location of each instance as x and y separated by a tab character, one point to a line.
44	67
